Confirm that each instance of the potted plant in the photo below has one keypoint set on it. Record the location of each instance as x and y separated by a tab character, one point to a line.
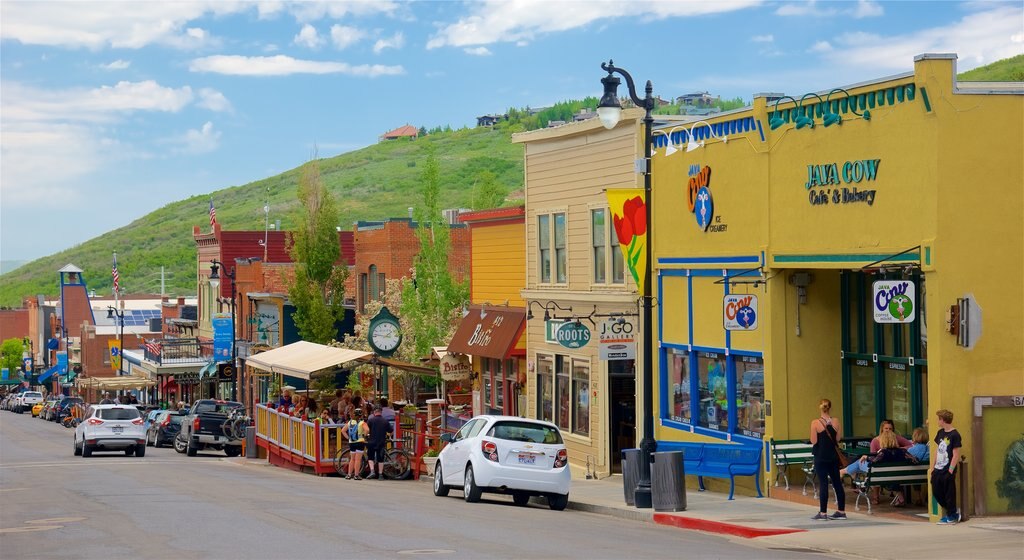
459	395
430	461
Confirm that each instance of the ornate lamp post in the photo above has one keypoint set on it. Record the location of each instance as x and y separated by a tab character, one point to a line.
215	266
609	110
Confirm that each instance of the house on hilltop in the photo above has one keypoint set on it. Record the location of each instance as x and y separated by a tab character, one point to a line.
698	99
490	120
407	131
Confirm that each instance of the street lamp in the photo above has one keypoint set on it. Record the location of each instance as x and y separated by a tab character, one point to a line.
609	110
215	266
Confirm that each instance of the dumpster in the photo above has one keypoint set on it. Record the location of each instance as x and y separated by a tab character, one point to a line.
668	481
630	473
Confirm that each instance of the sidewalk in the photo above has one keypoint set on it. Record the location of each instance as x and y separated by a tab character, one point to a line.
782	524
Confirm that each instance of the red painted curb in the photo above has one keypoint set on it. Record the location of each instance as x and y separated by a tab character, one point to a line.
718	526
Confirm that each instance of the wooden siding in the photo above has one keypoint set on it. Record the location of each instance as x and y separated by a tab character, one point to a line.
499	265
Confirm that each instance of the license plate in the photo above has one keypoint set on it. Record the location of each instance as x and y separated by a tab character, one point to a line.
117	429
526	459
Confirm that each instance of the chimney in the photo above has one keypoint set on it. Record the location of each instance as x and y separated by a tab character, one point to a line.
410	212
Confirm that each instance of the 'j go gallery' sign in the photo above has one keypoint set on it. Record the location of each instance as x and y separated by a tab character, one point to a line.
739	312
893	301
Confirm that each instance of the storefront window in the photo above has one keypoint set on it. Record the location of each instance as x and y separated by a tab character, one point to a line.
562	391
545	382
897	397
581	394
862	382
713	401
485	380
750	400
679	366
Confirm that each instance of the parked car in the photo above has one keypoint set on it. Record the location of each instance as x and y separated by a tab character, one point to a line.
506	455
204	427
26	400
38	407
164	428
149	415
110	427
63	408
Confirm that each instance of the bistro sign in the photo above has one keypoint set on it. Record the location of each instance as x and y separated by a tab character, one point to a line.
824	182
455	367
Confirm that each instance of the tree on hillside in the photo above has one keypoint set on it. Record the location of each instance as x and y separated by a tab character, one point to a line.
487	193
319	287
432	299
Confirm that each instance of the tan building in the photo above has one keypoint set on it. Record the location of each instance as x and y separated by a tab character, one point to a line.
576	285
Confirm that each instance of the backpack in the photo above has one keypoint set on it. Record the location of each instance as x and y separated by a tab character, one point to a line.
353	430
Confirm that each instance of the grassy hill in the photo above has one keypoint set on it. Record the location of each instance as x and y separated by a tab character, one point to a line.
1006	70
376	182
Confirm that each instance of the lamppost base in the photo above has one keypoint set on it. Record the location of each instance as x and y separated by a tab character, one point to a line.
642	497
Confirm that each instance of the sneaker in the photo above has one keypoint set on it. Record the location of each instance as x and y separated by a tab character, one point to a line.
838	516
944	521
820	517
357	478
371	476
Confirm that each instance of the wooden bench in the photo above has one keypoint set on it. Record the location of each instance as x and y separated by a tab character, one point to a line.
718	460
793	452
895	473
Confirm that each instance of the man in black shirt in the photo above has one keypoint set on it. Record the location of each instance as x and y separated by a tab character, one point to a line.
375	443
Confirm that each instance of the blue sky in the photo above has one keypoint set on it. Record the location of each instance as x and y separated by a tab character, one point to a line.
111	110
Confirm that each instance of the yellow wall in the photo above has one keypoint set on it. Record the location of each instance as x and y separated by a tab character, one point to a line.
498	263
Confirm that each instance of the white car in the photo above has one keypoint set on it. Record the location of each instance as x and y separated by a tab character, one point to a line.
111	427
507	455
26	400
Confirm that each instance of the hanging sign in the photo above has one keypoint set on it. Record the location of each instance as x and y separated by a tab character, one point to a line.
893	301
739	312
573	335
455	367
114	347
617	340
223	335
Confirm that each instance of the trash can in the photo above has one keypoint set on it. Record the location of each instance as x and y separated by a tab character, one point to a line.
251	450
668	481
630	473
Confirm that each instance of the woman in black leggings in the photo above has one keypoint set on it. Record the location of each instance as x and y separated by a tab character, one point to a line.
825	436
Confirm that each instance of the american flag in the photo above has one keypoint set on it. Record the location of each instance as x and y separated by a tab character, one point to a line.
117	277
213	214
153	348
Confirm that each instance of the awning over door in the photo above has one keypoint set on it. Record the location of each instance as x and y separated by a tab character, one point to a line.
46	374
300	359
489	331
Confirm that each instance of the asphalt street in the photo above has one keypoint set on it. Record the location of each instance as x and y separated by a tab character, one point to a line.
166	505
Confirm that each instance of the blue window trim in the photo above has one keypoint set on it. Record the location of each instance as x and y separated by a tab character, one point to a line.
692	350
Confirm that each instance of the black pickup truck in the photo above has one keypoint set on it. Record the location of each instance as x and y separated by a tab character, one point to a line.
203	427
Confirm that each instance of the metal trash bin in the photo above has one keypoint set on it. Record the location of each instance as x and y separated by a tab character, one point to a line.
251	450
668	481
630	473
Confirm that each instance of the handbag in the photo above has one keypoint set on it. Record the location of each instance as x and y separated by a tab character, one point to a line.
840	456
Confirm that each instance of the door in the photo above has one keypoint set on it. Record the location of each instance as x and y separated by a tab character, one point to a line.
622	407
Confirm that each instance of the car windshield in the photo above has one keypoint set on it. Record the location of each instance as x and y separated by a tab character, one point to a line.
525	431
118	413
224	407
33	394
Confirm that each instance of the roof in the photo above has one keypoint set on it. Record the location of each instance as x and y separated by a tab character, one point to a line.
302	358
402	131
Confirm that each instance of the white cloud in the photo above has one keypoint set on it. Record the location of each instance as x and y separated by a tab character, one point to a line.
820	47
862	9
281	65
197	141
308	37
521	21
213	100
978	39
397	41
800	9
100	104
763	38
117	65
478	51
344	36
867	8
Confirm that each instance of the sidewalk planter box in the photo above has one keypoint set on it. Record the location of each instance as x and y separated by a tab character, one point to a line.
429	464
460	399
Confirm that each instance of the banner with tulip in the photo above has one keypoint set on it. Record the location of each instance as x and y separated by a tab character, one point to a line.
629	220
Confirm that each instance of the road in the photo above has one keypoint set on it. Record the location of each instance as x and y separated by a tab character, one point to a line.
166	505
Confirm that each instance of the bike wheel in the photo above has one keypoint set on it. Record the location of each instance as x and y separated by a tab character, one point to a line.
341	461
398	465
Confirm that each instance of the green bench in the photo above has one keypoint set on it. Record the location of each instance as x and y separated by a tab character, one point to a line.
895	473
793	452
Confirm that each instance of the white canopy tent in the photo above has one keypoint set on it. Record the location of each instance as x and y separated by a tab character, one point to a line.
302	358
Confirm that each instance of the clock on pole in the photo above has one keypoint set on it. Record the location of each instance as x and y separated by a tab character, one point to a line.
385	336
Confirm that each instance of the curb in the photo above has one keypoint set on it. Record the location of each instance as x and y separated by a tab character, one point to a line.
720	527
633	515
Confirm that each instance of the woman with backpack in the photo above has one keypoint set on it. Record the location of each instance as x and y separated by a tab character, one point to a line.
356	431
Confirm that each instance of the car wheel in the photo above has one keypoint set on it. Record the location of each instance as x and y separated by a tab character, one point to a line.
179	445
140	450
86	450
156	440
148	442
471	491
232	450
558	502
128	452
78	450
440	488
520	498
190	449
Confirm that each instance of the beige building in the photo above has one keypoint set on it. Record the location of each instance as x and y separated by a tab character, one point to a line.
575	284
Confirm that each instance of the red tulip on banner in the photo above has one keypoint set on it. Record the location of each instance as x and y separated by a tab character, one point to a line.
629	218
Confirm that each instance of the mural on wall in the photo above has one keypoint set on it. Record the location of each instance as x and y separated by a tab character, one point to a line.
629	217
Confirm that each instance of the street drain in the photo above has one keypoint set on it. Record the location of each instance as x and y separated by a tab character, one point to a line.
419	551
31	528
796	549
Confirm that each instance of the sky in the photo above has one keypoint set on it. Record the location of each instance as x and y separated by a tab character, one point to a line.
111	110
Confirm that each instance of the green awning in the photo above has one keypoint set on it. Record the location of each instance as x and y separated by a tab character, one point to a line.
209	370
8	382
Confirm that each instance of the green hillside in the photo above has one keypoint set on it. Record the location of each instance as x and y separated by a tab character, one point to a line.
373	183
1006	70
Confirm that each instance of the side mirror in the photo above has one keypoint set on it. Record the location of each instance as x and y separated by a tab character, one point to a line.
447	438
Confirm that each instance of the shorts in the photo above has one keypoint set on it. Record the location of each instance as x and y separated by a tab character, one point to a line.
857	467
356	446
376	453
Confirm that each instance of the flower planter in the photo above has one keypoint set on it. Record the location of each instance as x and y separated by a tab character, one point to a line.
429	464
460	398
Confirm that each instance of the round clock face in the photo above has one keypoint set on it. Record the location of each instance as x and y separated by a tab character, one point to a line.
385	336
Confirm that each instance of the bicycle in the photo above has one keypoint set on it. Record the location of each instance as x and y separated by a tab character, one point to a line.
396	466
236	423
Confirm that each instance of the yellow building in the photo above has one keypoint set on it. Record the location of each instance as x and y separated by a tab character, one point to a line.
827	240
489	339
